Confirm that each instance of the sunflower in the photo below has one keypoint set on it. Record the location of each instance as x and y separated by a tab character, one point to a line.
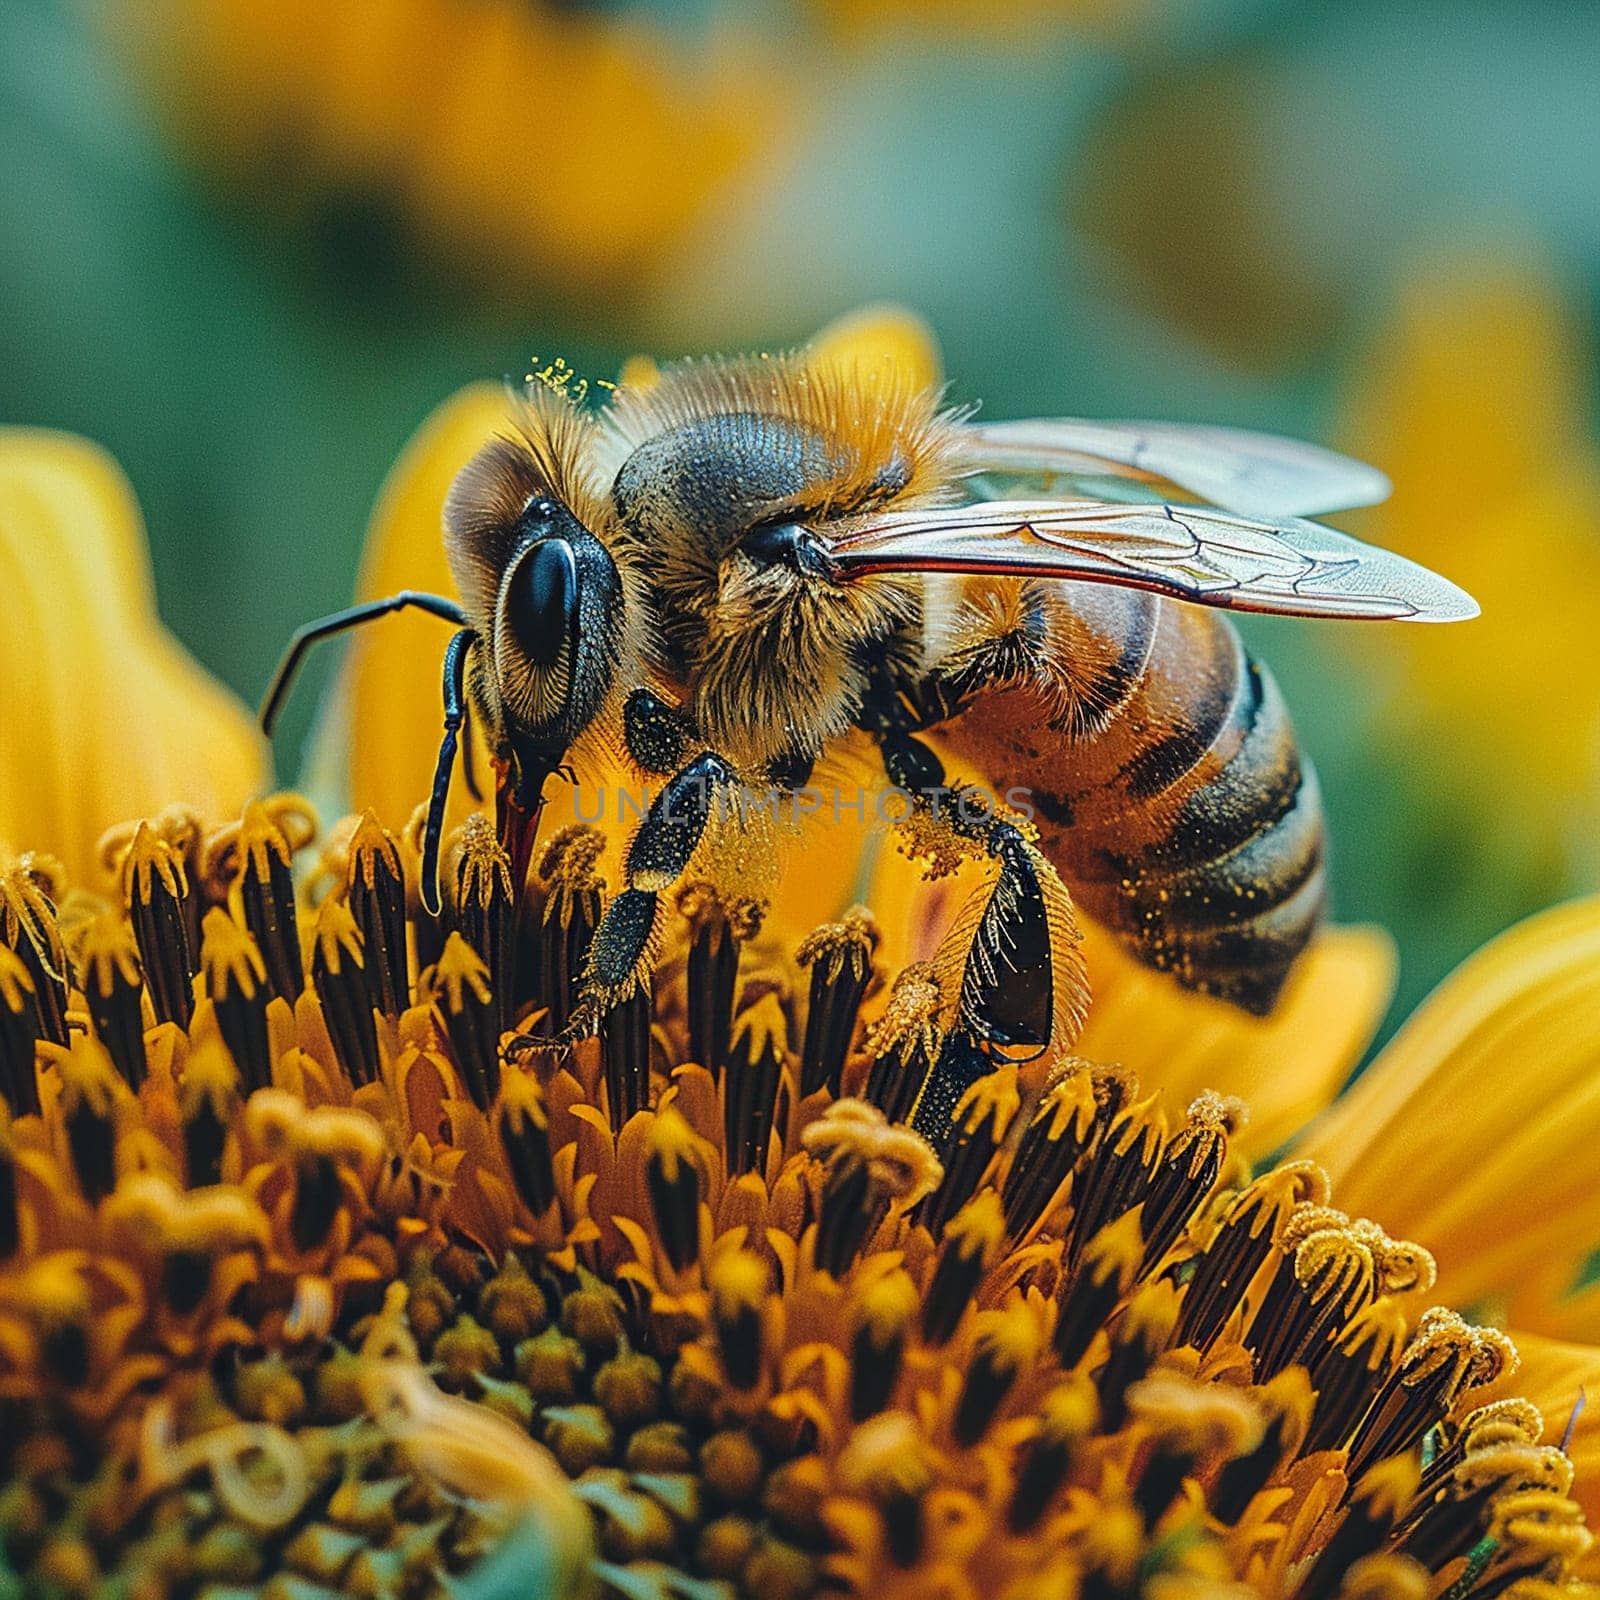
513	146
321	1271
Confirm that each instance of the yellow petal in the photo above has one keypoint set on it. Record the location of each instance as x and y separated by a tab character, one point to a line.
876	338
1557	1377
1287	1067
393	672
107	717
1475	1130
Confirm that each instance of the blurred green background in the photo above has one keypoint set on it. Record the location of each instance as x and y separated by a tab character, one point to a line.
249	248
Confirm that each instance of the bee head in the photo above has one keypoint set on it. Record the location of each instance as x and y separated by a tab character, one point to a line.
541	588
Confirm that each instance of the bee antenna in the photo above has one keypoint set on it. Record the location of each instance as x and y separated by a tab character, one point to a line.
455	714
339	622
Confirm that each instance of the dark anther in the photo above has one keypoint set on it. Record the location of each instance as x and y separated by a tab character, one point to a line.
567	921
92	1141
10	1215
1187	1173
738	1289
673	1181
185	1277
1069	1414
1138	1336
625	1056
750	1088
989	1380
113	984
485	908
982	1118
904	1042
466	998
1093	1292
1376	1503
19	1078
884	1311
970	1241
339	978
525	1137
263	855
236	980
157	890
1115	1176
1049	1149
839	955
376	890
317	1193
28	927
208	1102
717	931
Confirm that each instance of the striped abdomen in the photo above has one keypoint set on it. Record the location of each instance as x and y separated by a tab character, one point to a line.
1164	777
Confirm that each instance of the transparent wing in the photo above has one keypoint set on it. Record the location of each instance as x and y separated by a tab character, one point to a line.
1257	474
1217	558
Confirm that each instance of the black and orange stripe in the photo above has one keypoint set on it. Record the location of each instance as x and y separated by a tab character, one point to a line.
1162	768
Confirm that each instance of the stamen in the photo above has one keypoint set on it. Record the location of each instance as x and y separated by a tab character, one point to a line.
260	853
1107	1272
19	1077
673	1179
1006	1348
982	1118
466	1001
322	1145
625	1038
1286	1403
881	1318
971	1241
1250	1228
1351	1367
1327	1274
572	907
750	1088
718	930
869	1165
1138	1337
839	955
904	1042
485	908
208	1103
28	927
156	889
236	981
376	889
1446	1358
340	983
1379	1497
1050	1147
525	1137
1188	1172
1189	1424
1069	1416
1118	1172
886	1463
89	1090
738	1284
113	984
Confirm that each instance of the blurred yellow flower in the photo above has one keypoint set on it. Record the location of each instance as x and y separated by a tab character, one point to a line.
1475	401
524	145
84	655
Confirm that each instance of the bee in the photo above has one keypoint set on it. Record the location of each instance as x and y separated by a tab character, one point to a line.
731	568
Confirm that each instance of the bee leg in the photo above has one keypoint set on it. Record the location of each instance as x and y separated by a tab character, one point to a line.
657	734
1021	979
621	949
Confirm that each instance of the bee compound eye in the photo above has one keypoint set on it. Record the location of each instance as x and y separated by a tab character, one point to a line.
542	601
791	543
